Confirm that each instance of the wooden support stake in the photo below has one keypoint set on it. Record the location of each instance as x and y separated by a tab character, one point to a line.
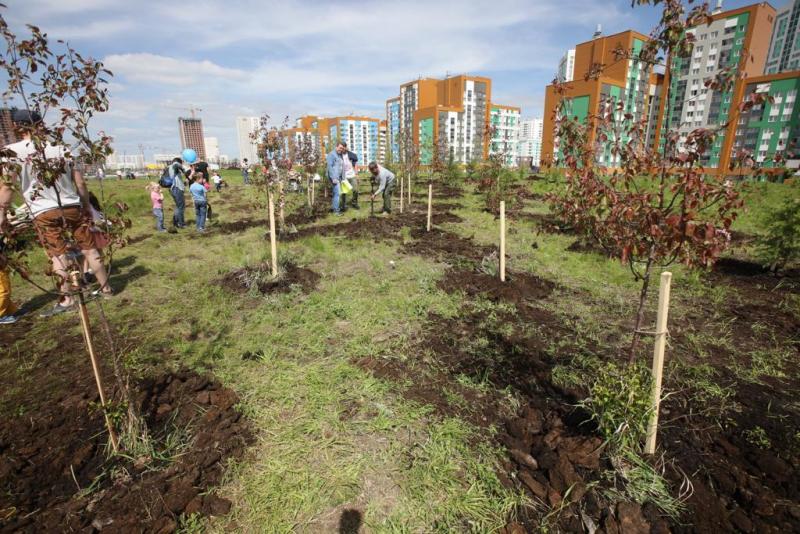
87	337
409	191
272	235
430	204
401	195
502	241
313	191
658	360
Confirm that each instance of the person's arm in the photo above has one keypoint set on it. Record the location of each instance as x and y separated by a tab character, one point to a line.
331	168
382	186
6	193
83	192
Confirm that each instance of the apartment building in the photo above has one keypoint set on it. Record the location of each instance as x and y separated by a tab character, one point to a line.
655	93
382	140
191	133
505	122
212	149
449	116
363	135
771	128
530	142
8	134
566	67
784	48
393	127
724	42
626	82
245	126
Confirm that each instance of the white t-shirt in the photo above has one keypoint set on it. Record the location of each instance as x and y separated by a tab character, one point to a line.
36	195
217	178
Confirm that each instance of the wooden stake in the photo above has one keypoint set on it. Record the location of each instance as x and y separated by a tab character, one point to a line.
658	359
87	338
313	191
272	237
401	195
502	241
430	204
409	191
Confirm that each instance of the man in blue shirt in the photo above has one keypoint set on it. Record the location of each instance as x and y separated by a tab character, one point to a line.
336	175
198	191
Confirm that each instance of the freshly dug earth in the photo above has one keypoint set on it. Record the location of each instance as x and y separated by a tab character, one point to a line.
54	471
379	228
259	278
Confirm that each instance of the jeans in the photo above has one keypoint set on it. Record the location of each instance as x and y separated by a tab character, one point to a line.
246	177
387	197
335	201
200	212
180	205
159	214
219	187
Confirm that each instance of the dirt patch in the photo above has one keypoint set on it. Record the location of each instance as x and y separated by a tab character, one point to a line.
259	278
518	289
241	225
378	228
56	476
588	246
445	246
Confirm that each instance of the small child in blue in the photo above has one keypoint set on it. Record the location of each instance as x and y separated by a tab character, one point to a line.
198	191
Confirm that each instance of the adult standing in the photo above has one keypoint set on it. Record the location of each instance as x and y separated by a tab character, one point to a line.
350	159
177	189
335	166
57	210
246	172
386	183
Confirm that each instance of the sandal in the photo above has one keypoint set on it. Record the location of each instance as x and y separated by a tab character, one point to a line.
58	309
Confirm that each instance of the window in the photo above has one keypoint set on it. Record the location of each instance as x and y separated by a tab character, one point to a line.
695	71
709	69
739	41
695	83
714	35
704	37
694	93
772	118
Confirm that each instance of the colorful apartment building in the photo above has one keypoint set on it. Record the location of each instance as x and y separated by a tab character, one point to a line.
362	135
393	127
626	82
771	128
784	48
722	43
530	142
449	116
505	122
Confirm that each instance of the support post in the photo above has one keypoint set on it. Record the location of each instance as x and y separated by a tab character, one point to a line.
401	194
502	241
87	337
272	235
658	360
409	191
430	205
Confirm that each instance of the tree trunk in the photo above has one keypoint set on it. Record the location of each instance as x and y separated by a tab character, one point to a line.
640	312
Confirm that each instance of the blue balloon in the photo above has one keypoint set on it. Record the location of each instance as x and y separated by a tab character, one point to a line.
189	155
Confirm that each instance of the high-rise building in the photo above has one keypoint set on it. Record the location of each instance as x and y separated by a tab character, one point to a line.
7	133
530	142
784	48
621	82
505	121
735	38
124	162
362	135
393	127
656	90
191	132
212	149
449	116
245	126
382	140
566	66
772	128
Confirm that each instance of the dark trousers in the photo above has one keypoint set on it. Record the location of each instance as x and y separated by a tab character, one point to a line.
180	205
387	197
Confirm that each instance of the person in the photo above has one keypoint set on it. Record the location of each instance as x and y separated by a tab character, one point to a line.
177	191
350	159
157	199
385	185
101	174
57	210
9	313
246	172
202	168
336	175
217	181
119	174
99	230
198	191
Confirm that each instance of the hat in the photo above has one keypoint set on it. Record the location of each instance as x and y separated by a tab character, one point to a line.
23	116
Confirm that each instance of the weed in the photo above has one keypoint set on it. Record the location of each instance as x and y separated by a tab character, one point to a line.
757	436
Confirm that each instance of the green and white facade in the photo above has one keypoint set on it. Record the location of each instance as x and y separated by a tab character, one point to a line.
505	121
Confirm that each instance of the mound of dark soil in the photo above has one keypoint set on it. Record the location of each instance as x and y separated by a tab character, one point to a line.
259	277
445	246
241	225
56	476
378	228
588	246
517	289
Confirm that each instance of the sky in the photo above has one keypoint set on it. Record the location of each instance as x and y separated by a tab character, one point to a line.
291	58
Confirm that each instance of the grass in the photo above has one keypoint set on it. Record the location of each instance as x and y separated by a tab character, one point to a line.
329	435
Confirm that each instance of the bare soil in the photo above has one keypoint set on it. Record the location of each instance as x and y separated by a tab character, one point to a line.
258	277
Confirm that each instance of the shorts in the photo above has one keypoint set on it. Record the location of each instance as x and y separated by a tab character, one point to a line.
54	235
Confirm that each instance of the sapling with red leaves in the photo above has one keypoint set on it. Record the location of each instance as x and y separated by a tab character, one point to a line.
650	207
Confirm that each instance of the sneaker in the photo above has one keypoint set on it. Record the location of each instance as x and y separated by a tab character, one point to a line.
58	309
8	319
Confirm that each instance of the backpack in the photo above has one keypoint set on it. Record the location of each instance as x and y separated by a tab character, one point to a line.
166	180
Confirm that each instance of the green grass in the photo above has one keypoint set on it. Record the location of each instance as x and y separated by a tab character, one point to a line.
329	435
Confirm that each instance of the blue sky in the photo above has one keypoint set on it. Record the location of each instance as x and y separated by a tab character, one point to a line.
291	57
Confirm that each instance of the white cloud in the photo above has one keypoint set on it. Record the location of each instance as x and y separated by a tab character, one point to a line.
158	69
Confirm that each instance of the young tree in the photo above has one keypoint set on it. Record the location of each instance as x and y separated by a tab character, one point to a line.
409	160
652	207
308	156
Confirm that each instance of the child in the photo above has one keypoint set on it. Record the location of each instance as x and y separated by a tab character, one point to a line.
8	310
157	198
198	190
217	181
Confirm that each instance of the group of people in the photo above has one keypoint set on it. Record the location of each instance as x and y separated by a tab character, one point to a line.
341	167
176	178
62	215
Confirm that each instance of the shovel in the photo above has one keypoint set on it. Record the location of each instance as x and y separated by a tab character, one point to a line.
372	198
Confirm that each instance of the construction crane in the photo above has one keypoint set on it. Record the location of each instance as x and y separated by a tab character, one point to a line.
193	110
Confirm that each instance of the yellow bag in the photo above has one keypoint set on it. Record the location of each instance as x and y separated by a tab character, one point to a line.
346	187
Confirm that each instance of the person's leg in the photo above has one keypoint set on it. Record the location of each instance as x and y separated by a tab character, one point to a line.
387	197
95	260
354	181
335	200
203	215
342	203
159	215
175	212
181	208
7	306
